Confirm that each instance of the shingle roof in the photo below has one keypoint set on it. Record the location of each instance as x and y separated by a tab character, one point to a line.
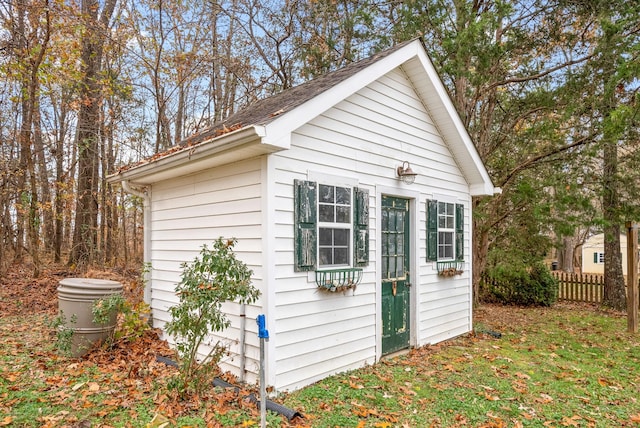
265	110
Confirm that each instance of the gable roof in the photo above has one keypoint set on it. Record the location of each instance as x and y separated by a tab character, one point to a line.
266	125
268	109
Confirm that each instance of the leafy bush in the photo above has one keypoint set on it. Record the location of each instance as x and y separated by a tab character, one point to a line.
215	277
520	285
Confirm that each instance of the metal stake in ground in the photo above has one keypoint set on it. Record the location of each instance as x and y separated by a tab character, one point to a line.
263	334
632	277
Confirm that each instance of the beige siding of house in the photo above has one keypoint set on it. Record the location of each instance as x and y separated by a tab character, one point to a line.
361	141
194	210
595	244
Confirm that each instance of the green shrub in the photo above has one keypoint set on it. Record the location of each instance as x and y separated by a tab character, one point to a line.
520	285
215	277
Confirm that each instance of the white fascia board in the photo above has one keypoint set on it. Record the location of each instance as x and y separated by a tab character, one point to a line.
482	189
245	140
460	142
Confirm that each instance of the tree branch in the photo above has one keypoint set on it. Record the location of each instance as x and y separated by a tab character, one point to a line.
535	159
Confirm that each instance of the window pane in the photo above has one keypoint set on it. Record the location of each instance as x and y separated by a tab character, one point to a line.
392	266
445	245
400	267
392	220
343	196
335	217
326	193
325	256
448	252
400	243
340	256
334	248
341	237
326	214
343	214
385	267
325	237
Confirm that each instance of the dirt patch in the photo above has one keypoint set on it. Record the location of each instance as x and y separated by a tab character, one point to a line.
21	294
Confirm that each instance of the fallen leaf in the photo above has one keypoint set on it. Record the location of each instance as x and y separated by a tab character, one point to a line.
572	421
158	421
544	398
6	421
491	397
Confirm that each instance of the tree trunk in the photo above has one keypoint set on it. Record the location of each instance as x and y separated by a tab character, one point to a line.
44	185
32	46
565	254
614	287
58	202
480	252
87	137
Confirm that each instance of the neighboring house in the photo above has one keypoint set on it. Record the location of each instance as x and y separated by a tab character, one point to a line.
593	254
308	183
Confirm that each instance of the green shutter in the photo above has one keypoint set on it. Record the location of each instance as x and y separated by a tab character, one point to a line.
432	230
595	257
305	234
459	232
361	227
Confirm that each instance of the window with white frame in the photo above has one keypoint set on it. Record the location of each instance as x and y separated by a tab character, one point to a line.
445	231
334	226
331	226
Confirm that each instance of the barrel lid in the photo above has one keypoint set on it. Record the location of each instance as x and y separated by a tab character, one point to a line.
91	283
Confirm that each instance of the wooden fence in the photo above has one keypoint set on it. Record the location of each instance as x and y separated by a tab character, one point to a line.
579	287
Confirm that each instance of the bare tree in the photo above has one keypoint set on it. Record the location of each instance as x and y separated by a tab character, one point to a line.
96	25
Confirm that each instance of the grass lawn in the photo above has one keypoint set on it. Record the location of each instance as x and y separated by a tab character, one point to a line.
571	365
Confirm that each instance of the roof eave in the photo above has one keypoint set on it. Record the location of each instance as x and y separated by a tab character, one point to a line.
231	147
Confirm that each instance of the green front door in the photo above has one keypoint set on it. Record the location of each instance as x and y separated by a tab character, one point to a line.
395	274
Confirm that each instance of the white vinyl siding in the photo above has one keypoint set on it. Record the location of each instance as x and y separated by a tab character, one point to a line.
362	138
359	142
190	211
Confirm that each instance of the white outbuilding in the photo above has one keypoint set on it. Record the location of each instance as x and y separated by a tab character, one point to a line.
350	199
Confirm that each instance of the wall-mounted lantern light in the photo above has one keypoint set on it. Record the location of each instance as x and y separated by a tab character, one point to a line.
405	173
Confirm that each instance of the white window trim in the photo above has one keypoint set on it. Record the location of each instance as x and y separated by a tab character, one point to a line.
451	231
335	225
